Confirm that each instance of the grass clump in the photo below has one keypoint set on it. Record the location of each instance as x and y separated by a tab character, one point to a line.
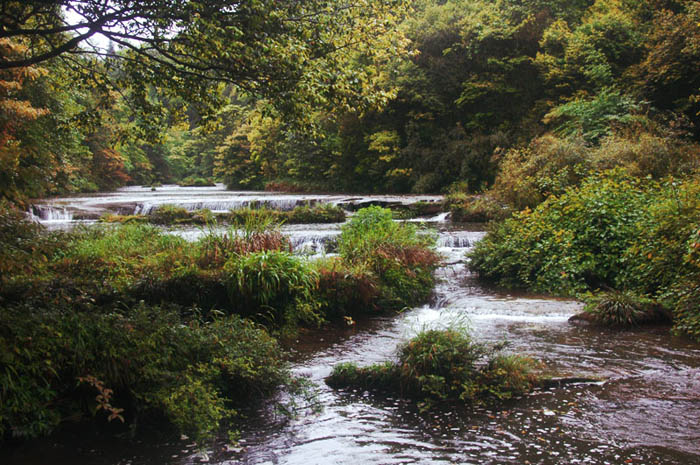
444	366
401	259
172	215
123	219
277	286
624	309
325	213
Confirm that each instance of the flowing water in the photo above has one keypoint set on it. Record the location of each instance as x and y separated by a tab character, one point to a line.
644	410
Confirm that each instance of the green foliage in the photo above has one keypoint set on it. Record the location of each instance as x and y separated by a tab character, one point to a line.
444	365
172	214
324	213
550	164
346	291
274	286
192	181
613	231
622	309
402	259
465	208
568	244
686	304
154	366
593	119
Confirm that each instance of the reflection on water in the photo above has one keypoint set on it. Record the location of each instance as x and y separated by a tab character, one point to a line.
644	411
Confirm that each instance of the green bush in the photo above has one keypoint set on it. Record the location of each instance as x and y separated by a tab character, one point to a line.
568	244
686	307
144	363
614	231
623	309
25	247
345	291
325	213
483	208
169	214
193	181
299	215
547	166
402	259
444	365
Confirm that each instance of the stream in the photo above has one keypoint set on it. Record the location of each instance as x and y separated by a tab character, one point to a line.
645	409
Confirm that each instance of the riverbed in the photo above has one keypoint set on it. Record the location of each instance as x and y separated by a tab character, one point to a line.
643	410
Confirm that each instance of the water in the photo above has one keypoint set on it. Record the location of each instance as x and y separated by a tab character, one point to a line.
142	200
644	410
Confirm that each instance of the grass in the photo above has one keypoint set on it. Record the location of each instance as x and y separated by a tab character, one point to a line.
156	330
171	215
444	366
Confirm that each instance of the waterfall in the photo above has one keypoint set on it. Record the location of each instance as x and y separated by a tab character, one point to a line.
43	213
317	242
459	239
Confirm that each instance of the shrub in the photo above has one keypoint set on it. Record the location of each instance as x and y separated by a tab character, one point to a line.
372	228
686	308
475	208
645	153
120	255
123	219
568	244
345	291
215	249
193	181
325	213
402	259
614	231
444	365
169	214
548	166
150	365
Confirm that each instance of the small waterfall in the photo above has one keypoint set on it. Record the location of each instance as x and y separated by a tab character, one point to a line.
458	239
314	242
43	213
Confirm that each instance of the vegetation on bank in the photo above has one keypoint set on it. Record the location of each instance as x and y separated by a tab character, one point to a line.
444	366
170	215
128	324
614	231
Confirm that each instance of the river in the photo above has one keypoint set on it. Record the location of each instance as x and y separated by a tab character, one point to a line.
644	410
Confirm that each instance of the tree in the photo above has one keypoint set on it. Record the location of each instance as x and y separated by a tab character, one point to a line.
290	49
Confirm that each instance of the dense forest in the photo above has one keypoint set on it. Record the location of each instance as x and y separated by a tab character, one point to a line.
573	127
442	96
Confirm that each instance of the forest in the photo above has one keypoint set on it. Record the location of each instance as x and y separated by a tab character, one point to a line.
520	99
571	127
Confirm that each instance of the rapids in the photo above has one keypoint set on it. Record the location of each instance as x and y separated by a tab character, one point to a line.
644	410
